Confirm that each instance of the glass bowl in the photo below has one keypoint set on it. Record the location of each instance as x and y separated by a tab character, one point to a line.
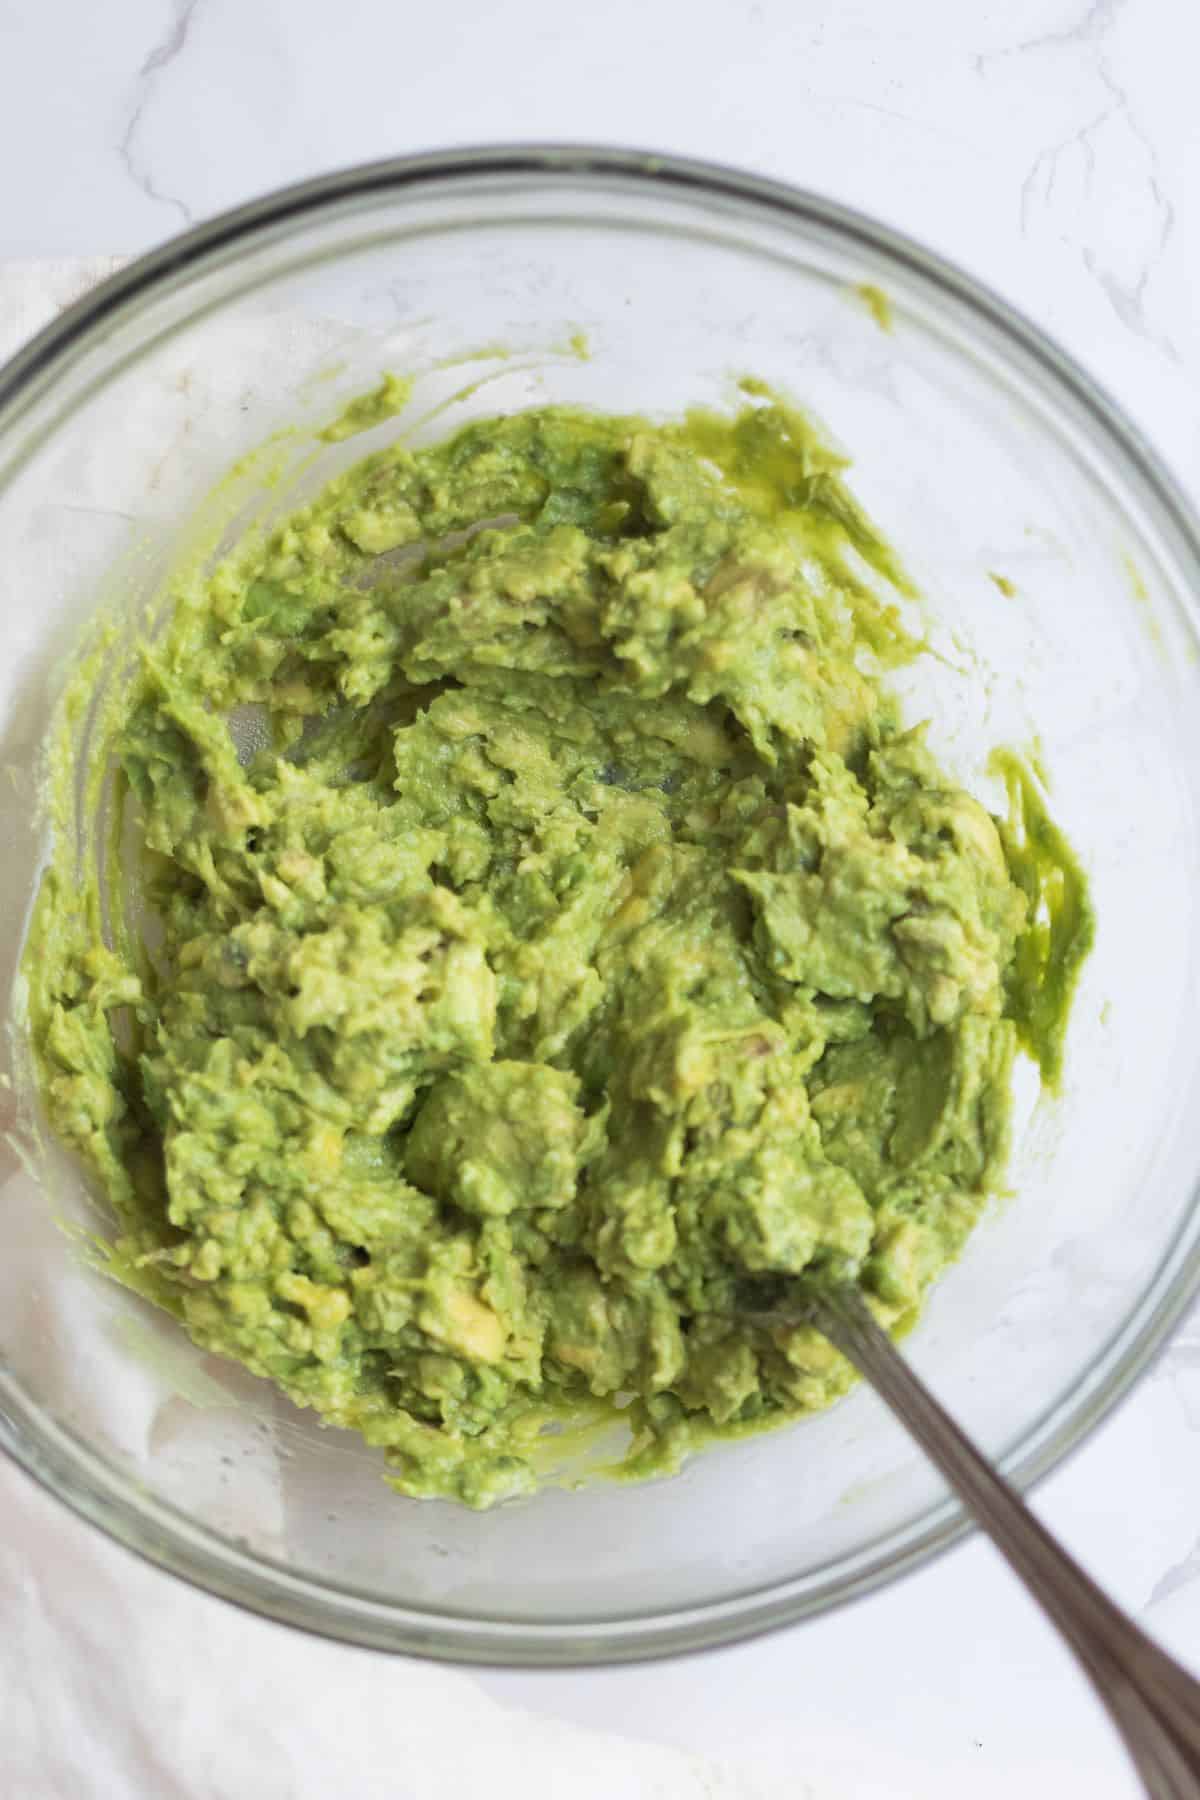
983	453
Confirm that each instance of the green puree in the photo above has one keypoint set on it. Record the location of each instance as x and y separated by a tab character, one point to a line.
586	933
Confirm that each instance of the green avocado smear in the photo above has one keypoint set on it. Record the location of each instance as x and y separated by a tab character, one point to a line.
577	931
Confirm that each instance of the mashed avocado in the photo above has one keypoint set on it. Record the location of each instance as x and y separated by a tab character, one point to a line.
585	931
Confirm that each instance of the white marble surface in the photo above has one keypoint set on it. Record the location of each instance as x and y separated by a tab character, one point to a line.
1053	148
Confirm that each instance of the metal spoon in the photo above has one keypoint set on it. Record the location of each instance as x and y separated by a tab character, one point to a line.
1154	1704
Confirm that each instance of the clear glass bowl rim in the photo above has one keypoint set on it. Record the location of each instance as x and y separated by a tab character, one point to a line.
62	1462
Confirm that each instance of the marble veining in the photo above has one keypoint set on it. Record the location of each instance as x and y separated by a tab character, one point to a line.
1123	269
154	64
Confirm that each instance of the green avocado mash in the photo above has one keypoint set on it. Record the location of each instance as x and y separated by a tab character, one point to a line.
531	915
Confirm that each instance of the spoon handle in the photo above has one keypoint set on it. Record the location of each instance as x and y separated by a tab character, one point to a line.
1154	1703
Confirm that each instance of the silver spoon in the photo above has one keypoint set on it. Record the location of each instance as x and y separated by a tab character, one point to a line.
1154	1704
